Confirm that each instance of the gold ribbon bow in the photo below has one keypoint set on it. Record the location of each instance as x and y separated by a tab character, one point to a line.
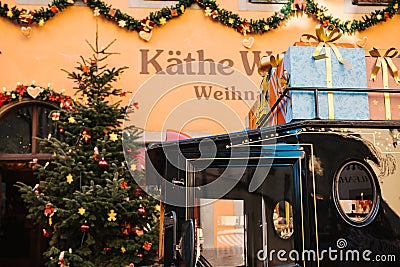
266	65
383	62
325	40
269	62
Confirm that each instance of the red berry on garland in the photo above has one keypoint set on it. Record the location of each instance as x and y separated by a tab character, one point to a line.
54	9
174	12
85	228
386	14
103	163
140	255
62	130
142	211
112	12
106	249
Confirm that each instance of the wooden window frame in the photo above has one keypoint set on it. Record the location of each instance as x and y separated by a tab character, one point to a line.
34	154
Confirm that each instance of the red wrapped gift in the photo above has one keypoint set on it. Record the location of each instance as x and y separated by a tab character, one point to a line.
382	72
272	87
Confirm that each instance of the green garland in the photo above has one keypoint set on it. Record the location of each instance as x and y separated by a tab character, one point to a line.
211	9
34	92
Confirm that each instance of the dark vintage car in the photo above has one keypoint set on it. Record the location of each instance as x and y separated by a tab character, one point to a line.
306	193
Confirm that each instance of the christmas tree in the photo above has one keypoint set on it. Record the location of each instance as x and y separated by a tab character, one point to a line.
87	202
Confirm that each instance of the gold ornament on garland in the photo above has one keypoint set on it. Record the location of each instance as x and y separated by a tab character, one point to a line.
26	16
145	29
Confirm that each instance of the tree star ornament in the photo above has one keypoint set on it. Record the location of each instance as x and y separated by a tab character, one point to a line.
81	210
70	178
133	166
112	216
71	120
113	137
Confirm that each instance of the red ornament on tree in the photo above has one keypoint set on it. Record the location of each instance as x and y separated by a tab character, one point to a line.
147	246
45	233
140	255
124	185
103	163
142	211
85	228
138	191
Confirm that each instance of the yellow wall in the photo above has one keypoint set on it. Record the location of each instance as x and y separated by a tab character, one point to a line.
59	43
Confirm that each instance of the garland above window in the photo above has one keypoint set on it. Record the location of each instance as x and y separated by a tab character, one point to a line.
22	92
211	9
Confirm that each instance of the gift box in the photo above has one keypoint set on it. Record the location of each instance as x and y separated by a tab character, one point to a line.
306	71
382	72
272	87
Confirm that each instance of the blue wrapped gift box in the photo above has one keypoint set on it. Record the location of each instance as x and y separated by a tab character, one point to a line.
305	71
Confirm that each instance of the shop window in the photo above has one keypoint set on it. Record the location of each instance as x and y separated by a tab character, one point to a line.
21	125
371	2
269	1
33	2
151	3
356	194
283	219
